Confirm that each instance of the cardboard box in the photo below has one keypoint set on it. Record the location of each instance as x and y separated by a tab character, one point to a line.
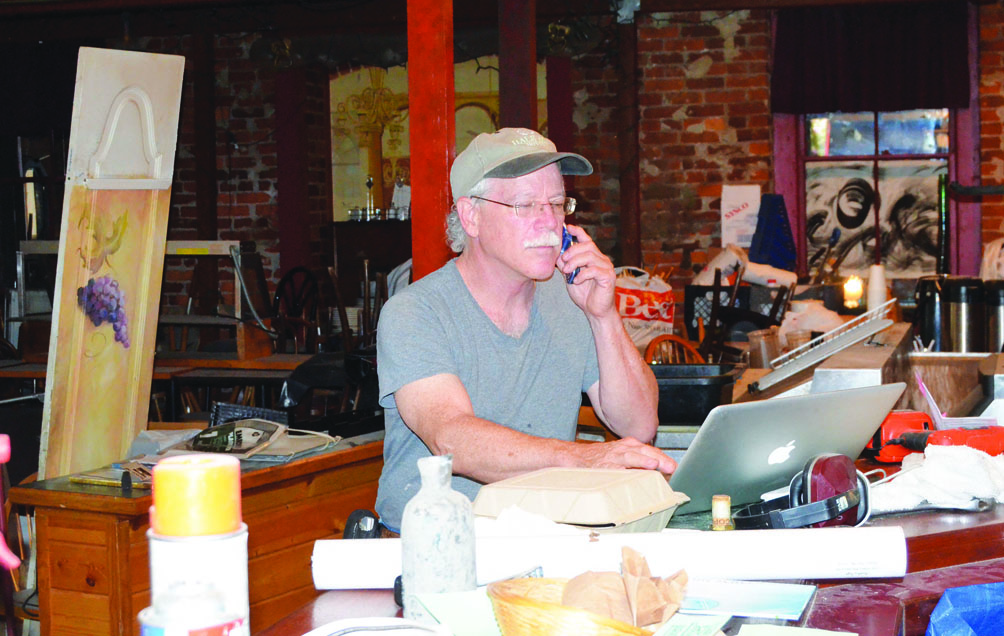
607	500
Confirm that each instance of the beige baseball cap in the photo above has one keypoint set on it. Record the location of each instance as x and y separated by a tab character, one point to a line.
510	153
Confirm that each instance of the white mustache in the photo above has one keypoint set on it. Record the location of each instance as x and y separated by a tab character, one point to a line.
544	240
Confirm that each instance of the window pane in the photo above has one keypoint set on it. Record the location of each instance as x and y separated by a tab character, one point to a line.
913	132
840	134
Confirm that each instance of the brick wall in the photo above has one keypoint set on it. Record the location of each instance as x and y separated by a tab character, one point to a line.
595	124
704	120
991	87
246	164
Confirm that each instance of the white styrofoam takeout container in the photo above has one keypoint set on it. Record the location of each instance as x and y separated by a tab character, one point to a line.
607	500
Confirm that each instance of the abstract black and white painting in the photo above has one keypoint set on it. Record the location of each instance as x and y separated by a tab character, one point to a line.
843	207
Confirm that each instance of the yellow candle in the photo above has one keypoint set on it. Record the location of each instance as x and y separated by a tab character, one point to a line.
196	495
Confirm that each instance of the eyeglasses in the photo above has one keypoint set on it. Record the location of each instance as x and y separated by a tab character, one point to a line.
526	210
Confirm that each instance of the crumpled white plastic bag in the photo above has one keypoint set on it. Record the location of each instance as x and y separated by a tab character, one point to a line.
943	477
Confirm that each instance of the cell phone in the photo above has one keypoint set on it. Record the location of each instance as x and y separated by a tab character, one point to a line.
566	241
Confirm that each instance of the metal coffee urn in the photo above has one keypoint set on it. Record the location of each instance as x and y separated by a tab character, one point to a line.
932	313
966	314
993	291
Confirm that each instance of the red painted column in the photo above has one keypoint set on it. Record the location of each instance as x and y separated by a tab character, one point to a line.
518	63
432	125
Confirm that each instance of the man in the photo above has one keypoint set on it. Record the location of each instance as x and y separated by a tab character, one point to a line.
487	357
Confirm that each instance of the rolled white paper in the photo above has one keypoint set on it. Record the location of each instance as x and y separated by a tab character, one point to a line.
804	553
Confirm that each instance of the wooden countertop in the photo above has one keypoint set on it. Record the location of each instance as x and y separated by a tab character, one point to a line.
60	492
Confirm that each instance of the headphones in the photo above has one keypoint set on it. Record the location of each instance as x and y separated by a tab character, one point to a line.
828	491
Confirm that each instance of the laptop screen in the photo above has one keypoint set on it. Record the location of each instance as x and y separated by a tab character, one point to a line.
745	450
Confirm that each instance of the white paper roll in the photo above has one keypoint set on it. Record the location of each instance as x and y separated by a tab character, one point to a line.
802	553
877	293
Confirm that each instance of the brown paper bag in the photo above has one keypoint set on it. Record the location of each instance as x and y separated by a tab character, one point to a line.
599	592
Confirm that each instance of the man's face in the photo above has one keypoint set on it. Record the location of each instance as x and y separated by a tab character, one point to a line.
528	245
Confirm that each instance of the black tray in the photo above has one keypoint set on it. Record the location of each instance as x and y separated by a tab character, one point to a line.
688	392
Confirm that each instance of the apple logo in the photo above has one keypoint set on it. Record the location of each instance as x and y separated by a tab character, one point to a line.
781	454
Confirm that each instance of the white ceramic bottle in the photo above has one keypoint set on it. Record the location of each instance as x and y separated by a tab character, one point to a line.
437	538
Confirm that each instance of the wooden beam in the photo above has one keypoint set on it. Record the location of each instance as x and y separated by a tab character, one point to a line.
65	19
662	6
627	140
560	103
432	129
204	286
292	143
517	64
204	125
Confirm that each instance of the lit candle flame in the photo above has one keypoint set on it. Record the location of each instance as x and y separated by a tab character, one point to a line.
853	290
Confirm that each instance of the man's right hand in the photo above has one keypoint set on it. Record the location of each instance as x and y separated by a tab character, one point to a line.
625	453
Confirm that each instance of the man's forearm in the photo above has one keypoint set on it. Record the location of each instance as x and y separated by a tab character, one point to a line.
628	392
487	452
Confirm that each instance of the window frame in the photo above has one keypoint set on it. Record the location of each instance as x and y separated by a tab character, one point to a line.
964	214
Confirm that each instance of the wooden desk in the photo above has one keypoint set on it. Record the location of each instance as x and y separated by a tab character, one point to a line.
93	564
866	609
944	550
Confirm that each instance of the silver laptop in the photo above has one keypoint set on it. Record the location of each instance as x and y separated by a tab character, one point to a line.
745	450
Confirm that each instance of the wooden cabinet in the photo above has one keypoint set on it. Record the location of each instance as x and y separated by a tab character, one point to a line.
93	563
386	244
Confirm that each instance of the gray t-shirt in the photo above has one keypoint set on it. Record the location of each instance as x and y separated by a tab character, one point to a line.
532	384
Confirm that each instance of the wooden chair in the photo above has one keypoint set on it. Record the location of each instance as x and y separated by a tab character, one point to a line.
372	304
336	303
294	311
727	318
672	349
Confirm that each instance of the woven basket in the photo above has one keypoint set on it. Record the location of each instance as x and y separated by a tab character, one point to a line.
529	607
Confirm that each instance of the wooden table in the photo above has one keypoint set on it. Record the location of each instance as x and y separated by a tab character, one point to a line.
93	565
944	550
227	369
266	381
274	362
21	370
902	606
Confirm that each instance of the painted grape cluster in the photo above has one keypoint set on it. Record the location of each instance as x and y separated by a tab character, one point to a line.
102	301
